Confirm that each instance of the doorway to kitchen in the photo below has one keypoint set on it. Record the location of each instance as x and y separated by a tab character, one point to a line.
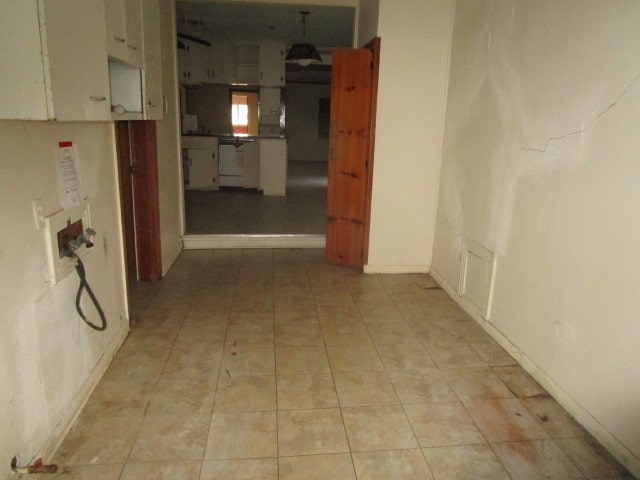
292	104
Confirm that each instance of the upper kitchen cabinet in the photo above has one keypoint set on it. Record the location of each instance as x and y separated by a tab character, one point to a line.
124	31
272	65
60	69
152	84
247	64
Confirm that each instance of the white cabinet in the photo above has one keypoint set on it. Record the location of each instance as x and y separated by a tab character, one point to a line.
201	162
72	82
273	166
251	165
152	84
124	30
247	64
201	63
272	66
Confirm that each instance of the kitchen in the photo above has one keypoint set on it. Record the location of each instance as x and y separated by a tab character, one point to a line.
241	127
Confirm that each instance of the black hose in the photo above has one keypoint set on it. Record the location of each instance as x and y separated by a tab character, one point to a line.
84	285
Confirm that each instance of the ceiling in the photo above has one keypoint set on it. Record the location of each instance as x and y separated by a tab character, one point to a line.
327	27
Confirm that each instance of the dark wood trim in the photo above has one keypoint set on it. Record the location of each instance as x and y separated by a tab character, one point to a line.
374	46
123	146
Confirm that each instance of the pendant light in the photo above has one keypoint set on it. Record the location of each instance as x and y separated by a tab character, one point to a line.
303	53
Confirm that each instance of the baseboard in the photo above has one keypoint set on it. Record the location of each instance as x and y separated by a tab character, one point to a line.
204	242
63	427
389	269
579	413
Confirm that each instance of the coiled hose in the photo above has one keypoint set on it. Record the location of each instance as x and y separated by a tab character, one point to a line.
84	285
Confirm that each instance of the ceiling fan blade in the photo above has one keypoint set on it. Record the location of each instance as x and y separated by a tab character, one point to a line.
206	43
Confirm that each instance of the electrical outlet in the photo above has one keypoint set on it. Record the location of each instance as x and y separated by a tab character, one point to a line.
38	213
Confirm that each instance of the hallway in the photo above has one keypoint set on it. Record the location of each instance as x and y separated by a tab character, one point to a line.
270	364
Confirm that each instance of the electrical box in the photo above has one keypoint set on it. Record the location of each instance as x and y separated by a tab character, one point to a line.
62	230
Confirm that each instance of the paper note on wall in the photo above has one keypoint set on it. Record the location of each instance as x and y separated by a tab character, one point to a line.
69	188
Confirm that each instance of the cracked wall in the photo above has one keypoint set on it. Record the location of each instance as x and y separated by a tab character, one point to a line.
540	165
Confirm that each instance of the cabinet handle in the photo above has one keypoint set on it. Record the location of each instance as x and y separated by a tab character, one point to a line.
118	39
97	99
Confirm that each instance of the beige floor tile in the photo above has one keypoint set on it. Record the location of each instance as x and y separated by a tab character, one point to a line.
86	472
491	352
306	432
465	462
138	364
188	470
209	308
504	420
553	418
391	465
98	440
379	313
183	395
332	297
245	394
298	335
150	337
340	313
354	358
391	332
298	392
378	297
298	360
296	313
198	336
339	332
317	467
519	381
250	335
378	428
476	382
245	361
591	458
408	356
364	388
442	424
239	318
240	469
242	435
194	363
448	354
284	299
171	437
533	460
119	398
424	386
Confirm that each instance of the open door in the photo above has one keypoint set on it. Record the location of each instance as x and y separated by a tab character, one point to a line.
352	122
138	171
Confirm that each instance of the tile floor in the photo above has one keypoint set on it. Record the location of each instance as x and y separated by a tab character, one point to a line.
238	211
270	364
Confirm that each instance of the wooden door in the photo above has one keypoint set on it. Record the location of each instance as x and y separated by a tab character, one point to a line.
352	95
138	165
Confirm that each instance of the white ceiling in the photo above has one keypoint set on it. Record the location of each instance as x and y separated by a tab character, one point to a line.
327	27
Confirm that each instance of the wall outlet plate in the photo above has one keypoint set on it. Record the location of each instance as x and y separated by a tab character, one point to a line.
60	267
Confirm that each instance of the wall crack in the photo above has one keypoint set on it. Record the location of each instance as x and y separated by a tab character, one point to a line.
593	120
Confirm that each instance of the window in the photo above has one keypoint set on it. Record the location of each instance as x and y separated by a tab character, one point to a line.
244	113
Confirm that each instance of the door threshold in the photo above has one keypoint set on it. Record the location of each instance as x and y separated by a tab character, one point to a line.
204	242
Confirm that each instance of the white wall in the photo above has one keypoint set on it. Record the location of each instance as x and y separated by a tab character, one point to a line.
303	143
49	359
367	21
415	39
540	166
169	149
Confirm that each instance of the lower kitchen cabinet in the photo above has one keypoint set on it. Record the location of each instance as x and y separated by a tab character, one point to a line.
273	166
200	161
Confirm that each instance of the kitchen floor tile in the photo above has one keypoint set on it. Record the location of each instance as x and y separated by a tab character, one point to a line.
189	470
245	469
391	465
299	392
317	467
465	462
245	394
378	428
242	435
306	432
442	424
298	360
364	388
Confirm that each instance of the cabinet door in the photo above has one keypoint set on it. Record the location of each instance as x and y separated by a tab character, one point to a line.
251	167
202	170
19	98
116	19
153	101
272	65
216	64
134	33
76	40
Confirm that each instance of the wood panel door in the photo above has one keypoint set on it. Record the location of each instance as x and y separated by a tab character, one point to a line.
138	165
350	131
